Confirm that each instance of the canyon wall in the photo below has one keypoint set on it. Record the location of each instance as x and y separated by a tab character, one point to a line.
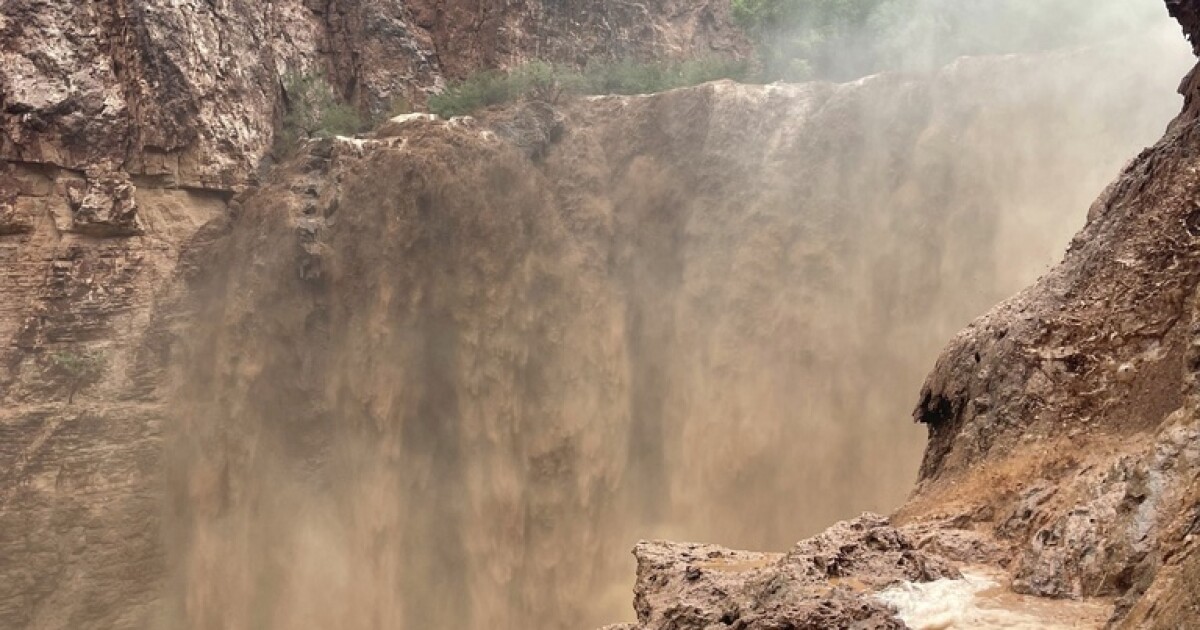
189	93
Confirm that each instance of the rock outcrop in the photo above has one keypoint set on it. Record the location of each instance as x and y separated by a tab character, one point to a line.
189	93
824	582
827	581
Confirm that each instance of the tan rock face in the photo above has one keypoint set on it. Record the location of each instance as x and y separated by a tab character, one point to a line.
470	35
83	278
103	204
190	92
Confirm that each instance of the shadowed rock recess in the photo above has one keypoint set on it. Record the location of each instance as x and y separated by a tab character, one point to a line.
445	374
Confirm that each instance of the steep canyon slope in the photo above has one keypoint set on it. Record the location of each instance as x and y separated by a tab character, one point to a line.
1064	421
450	373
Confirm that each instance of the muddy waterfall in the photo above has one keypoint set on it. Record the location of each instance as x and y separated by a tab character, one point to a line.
446	373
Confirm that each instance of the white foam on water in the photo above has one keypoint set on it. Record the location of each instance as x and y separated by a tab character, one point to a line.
979	602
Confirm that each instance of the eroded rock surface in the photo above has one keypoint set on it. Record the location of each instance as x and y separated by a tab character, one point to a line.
824	582
190	92
87	271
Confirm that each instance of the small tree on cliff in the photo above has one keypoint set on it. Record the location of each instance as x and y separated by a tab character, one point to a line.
547	82
799	40
78	369
314	110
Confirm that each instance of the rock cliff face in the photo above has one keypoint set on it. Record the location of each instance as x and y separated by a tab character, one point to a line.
189	93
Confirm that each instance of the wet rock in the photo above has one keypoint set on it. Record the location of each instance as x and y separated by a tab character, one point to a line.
399	125
823	582
533	128
1066	409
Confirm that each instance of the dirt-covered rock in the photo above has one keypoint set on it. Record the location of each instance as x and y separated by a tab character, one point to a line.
824	582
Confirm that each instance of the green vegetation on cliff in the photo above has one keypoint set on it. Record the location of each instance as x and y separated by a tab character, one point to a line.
798	40
76	369
544	81
314	110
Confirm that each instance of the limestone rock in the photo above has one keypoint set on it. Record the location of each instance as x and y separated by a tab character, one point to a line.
397	125
533	128
103	204
12	220
824	582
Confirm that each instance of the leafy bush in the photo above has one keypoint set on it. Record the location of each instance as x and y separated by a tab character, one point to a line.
77	368
543	81
314	111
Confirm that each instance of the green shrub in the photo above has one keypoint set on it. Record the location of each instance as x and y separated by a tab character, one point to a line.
77	368
314	111
544	81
